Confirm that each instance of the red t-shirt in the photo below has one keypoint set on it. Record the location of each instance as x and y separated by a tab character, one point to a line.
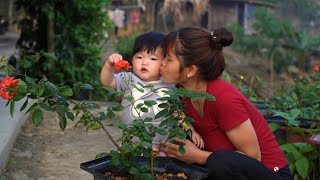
229	110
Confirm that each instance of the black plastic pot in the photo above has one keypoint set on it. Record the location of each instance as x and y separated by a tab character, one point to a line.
99	167
303	123
281	134
263	108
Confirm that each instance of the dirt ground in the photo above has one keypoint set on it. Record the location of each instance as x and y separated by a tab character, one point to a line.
47	153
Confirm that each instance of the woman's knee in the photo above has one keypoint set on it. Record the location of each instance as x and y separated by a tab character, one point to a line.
223	159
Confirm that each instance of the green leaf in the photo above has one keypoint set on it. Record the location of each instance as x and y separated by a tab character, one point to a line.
305	147
133	170
30	80
32	107
70	115
25	64
162	131
302	166
37	117
138	88
62	122
24	105
46	107
208	97
162	113
288	147
8	102
49	56
163	105
150	103
50	89
65	91
117	108
143	109
111	115
295	112
182	150
146	144
12	105
144	168
94	126
2	68
93	105
118	125
11	68
39	90
148	119
18	97
274	126
83	85
22	86
103	116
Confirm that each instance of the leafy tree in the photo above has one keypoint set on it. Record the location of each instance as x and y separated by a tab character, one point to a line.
72	30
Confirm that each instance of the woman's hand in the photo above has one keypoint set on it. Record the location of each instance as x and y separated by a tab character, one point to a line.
192	153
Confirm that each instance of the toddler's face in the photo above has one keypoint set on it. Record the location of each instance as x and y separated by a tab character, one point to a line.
147	65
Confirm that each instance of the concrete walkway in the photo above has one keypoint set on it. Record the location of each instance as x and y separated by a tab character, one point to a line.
9	126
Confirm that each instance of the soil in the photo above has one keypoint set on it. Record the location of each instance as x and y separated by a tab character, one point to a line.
46	152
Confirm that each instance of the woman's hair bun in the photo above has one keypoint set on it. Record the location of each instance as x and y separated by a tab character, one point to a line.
223	37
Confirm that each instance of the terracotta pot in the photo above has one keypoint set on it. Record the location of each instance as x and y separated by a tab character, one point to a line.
294	137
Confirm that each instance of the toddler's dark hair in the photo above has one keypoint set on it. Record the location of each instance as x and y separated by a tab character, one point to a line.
149	42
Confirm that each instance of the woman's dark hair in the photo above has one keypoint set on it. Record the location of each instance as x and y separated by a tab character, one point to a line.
149	42
196	46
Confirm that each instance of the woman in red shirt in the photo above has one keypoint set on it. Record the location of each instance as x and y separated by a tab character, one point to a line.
238	141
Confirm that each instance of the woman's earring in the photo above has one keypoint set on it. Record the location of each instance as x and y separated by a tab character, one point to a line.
188	75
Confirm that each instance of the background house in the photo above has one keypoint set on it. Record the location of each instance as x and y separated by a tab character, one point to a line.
216	13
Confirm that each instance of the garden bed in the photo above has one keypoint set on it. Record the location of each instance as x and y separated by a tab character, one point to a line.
99	168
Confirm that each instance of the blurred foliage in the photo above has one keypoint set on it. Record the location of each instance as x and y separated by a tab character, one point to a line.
307	12
303	96
79	26
275	39
124	46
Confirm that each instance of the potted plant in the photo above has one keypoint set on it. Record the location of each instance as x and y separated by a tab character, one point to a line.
297	120
134	155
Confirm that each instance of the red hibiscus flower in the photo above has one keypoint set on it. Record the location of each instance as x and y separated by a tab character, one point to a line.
316	68
6	84
122	65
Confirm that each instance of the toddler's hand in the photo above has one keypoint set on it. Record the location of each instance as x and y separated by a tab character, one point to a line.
197	140
156	147
114	58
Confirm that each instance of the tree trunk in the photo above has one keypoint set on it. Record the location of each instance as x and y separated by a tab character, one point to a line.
50	35
10	18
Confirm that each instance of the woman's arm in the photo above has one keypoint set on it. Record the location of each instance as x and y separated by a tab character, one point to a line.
244	138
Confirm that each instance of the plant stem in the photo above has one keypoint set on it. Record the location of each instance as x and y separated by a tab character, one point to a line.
109	135
101	125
